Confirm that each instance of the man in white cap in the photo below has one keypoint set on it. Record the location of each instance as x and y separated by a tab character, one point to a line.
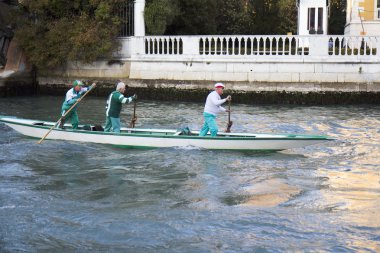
113	108
212	108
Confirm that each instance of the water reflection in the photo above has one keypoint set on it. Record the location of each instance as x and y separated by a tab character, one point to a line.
358	194
269	193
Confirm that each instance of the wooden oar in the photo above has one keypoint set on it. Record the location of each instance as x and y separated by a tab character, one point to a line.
229	124
80	99
133	120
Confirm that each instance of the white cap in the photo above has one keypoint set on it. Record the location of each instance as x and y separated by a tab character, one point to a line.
120	85
219	85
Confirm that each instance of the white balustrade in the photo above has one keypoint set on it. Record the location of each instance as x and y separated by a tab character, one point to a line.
163	46
353	46
245	46
256	48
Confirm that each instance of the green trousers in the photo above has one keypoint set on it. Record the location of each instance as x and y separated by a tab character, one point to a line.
112	125
72	116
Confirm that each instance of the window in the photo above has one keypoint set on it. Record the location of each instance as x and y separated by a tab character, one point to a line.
320	21
378	9
311	19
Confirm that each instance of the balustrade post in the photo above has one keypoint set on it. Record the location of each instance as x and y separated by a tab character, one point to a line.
137	46
319	46
191	45
125	49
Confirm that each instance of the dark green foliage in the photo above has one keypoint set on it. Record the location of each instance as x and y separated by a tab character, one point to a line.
235	17
53	32
337	18
195	17
159	14
199	17
288	17
257	17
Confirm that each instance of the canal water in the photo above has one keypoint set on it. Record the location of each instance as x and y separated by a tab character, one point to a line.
77	197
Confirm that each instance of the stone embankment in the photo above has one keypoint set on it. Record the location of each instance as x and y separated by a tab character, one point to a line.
249	93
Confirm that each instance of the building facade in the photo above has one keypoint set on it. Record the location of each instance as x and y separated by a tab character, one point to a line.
312	17
363	18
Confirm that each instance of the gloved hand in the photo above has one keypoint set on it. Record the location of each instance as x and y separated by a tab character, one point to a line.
134	97
228	98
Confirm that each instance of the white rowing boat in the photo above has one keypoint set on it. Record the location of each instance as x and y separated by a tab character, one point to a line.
164	138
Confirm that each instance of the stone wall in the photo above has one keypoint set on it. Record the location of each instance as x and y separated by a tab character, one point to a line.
196	91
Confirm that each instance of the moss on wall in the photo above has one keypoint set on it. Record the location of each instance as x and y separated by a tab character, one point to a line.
104	88
262	97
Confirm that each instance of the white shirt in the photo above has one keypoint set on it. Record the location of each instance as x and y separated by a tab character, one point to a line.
213	103
70	94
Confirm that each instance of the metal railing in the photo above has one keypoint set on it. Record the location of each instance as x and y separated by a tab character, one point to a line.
126	15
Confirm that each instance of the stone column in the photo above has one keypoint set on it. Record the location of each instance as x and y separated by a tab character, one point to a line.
139	23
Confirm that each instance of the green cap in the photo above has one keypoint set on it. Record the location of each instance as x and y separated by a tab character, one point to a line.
77	83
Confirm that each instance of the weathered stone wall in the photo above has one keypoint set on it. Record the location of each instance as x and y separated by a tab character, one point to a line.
307	76
196	91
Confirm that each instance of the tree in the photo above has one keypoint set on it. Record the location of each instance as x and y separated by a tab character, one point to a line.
195	17
337	18
288	16
235	17
257	16
159	14
265	16
53	32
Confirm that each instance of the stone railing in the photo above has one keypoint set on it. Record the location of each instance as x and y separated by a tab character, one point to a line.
351	46
253	48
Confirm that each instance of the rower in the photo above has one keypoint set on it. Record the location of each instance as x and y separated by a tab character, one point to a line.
72	96
113	108
212	108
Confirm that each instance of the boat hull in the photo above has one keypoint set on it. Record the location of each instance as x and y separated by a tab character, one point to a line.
155	138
